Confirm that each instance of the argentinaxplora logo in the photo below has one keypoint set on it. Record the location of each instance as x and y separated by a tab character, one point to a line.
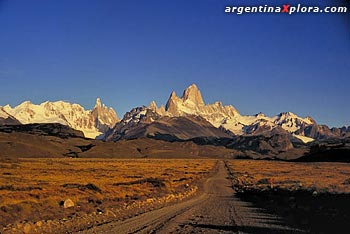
285	8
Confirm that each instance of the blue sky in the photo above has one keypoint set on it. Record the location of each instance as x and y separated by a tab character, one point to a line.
132	52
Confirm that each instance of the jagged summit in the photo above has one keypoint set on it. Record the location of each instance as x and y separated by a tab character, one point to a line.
153	106
98	103
173	95
160	111
191	103
193	94
104	117
191	98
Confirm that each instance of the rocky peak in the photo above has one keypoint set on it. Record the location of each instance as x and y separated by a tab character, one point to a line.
291	117
260	115
287	114
159	110
193	94
103	116
138	115
173	95
98	103
218	103
153	106
172	104
190	101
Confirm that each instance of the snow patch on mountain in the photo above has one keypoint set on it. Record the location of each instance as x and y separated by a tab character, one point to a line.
304	138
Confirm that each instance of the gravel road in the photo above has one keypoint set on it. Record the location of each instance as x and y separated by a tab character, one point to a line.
215	210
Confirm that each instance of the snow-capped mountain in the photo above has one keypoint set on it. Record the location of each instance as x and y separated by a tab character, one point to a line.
227	117
91	122
291	122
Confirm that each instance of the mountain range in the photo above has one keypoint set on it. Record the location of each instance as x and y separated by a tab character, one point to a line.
179	112
183	118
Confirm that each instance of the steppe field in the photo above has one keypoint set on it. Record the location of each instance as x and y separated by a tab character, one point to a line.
59	195
35	190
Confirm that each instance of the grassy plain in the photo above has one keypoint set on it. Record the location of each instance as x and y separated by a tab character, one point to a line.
35	189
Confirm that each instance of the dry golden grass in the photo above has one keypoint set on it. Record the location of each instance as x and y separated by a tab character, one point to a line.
32	189
330	177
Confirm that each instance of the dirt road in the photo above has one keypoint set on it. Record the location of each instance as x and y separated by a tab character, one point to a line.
215	210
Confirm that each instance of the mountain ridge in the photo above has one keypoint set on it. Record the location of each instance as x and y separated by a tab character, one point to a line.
91	122
229	118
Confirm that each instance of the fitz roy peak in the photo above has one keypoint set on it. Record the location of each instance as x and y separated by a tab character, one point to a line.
191	103
91	122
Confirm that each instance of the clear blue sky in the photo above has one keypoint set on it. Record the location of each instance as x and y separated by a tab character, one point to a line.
131	52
